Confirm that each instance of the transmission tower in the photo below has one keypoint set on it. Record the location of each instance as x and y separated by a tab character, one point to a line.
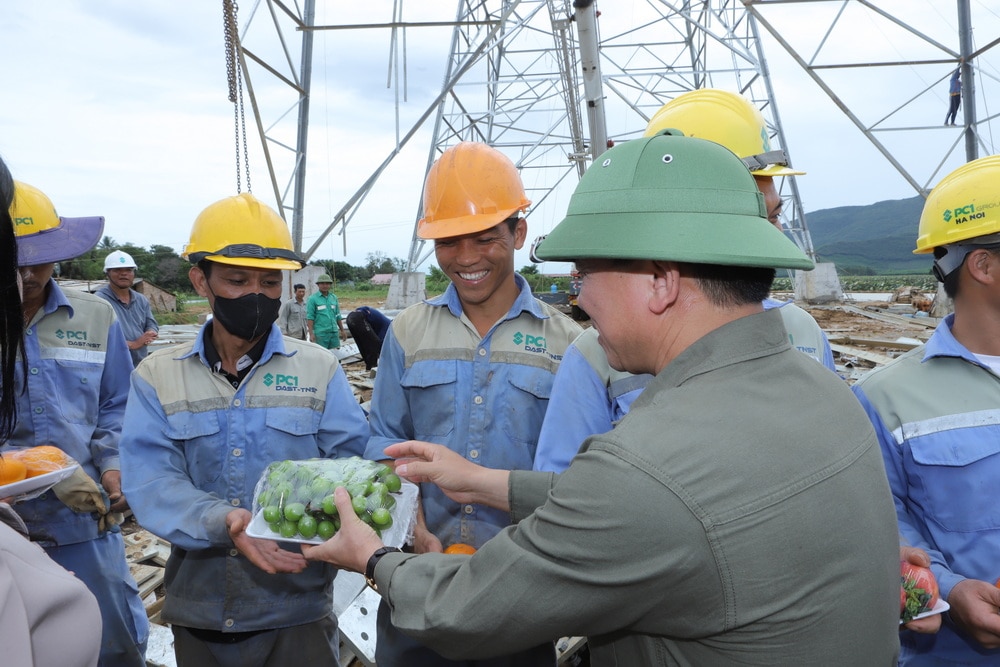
515	79
518	76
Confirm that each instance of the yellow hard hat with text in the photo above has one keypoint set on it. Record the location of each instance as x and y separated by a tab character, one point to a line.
963	206
43	237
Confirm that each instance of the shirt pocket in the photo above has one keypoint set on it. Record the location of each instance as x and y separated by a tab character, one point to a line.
522	410
431	390
952	475
80	384
205	454
291	433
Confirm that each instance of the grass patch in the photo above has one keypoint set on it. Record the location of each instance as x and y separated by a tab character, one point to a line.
922	281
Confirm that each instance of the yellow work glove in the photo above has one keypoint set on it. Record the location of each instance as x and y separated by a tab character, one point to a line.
80	493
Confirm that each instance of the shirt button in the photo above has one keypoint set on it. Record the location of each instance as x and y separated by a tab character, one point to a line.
230	623
39	410
234	553
83	380
34	371
474	454
467	509
237	403
30	332
235	502
482	352
478	400
237	452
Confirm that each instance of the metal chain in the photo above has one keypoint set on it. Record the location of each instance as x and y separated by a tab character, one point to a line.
234	78
243	129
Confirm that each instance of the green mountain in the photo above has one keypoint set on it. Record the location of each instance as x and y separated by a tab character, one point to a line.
870	240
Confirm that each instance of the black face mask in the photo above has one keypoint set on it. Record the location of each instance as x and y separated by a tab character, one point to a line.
249	317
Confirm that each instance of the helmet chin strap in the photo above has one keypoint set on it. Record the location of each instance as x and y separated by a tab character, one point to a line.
955	254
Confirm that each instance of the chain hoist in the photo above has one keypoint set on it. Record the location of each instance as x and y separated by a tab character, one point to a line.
234	77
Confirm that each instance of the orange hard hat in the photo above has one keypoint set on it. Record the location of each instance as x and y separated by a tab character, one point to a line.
471	188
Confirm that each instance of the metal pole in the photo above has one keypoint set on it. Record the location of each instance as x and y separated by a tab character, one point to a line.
968	80
309	17
590	63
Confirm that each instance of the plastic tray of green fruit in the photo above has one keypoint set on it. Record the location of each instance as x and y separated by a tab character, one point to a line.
293	500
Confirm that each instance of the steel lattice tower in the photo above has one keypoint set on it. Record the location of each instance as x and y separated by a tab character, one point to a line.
534	78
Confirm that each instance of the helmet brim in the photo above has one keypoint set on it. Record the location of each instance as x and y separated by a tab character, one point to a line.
778	170
274	264
72	238
698	238
468	224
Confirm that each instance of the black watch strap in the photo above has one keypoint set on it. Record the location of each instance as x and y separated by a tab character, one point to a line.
373	561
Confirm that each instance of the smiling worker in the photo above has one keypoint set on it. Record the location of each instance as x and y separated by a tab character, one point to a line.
471	369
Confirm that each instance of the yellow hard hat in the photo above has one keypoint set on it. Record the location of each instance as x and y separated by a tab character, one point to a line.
471	188
728	119
962	211
42	236
242	231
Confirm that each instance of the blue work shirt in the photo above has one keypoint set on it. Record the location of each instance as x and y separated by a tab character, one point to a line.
379	322
77	383
135	317
483	397
193	450
936	411
589	397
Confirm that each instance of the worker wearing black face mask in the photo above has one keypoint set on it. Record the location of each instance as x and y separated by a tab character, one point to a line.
203	422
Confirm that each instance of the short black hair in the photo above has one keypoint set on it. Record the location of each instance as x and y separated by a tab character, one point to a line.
299	286
729	286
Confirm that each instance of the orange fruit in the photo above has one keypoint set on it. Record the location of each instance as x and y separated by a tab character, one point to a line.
460	548
11	470
40	460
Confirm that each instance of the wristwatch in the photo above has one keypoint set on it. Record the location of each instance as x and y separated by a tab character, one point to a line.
373	561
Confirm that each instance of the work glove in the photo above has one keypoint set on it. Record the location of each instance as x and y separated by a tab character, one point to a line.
81	493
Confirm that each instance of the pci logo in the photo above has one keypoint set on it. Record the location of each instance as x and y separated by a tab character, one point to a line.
531	343
963	214
282	382
27	220
71	335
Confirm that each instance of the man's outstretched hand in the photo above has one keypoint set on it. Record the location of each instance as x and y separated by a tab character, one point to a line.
459	479
352	545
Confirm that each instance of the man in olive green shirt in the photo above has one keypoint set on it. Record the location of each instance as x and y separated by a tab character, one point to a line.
739	514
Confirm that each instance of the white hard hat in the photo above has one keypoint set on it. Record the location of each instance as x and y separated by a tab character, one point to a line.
119	260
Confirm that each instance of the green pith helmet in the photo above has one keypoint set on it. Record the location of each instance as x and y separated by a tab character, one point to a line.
324	278
675	198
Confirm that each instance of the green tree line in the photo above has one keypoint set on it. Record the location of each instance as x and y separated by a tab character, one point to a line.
165	268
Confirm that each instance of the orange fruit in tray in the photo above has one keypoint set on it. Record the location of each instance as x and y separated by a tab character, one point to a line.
40	460
11	470
460	548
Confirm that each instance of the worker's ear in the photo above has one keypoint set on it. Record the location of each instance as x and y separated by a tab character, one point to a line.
984	266
199	281
664	286
520	233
